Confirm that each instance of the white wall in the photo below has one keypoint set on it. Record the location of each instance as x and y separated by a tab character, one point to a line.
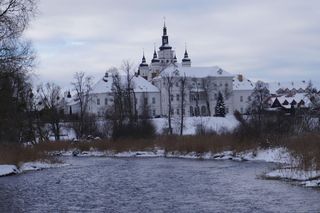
241	100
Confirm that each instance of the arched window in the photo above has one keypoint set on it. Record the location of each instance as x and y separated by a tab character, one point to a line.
191	111
197	111
203	111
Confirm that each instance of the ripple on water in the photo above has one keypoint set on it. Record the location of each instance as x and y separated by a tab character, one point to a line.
153	185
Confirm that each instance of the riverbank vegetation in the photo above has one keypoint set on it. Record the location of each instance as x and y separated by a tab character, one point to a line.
16	154
304	149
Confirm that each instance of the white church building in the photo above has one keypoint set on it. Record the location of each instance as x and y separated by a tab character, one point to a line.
202	86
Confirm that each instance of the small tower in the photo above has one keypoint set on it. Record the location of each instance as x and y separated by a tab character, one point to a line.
186	61
175	60
155	65
165	53
155	58
143	68
165	39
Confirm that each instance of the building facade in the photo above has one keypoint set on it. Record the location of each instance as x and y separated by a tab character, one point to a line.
202	85
150	83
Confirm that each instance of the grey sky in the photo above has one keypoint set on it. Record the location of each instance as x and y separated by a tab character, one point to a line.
268	40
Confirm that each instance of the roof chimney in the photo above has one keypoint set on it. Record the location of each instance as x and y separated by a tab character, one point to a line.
240	78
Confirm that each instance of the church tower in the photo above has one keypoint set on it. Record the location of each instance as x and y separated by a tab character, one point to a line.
143	68
155	65
162	58
186	61
165	53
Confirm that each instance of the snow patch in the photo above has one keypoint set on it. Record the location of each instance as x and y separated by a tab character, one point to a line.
271	155
6	170
218	124
35	166
294	174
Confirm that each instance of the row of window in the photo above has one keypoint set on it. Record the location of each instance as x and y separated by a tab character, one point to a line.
177	97
241	98
167	61
153	100
177	111
198	84
102	113
215	85
106	101
199	97
195	111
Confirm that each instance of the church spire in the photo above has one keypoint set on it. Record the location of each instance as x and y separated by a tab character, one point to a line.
165	38
186	61
164	27
154	52
143	58
186	55
155	56
143	61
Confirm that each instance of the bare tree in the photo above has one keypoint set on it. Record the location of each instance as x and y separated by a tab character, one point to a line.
16	60
259	101
130	96
82	85
15	16
183	87
49	95
169	80
196	97
207	88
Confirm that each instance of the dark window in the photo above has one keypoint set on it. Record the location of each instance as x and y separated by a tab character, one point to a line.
191	111
203	110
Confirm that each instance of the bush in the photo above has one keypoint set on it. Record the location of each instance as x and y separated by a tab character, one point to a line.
143	128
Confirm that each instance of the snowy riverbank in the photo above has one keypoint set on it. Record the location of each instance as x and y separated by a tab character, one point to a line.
6	170
276	155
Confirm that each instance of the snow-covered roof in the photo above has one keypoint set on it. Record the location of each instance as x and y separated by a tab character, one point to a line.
197	72
289	98
275	86
104	85
241	83
71	101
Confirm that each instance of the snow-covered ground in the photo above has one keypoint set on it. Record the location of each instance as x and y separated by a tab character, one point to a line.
276	155
6	170
217	124
305	178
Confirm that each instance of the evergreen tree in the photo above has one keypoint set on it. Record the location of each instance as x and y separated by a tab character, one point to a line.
220	110
16	62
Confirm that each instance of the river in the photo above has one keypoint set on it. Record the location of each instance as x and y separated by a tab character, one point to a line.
153	185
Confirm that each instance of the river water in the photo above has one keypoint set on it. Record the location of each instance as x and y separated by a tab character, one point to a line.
153	185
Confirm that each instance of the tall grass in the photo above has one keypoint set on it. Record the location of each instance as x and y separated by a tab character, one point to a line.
184	144
17	153
304	148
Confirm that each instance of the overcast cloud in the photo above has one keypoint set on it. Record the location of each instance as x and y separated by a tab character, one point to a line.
269	40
